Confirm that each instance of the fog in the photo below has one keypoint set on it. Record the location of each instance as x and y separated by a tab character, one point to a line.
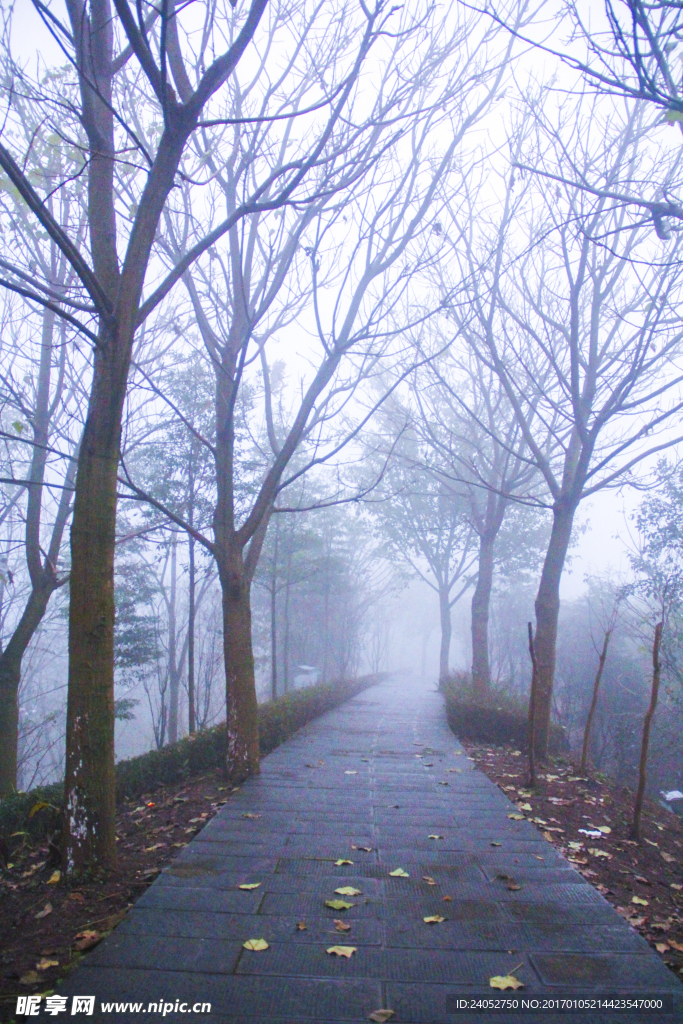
356	358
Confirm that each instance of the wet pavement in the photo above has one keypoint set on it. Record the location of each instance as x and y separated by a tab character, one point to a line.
385	772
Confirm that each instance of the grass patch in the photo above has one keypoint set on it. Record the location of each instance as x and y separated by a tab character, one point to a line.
497	718
177	762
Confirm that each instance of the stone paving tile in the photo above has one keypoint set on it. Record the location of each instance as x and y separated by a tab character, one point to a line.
183	939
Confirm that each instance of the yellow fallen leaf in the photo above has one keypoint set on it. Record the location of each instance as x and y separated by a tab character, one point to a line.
676	945
381	1016
434	837
525	793
650	843
548	836
662	947
346	951
595	852
525	807
667	857
505	981
516	817
341	926
399	873
54	878
641	903
255	945
348	890
47	909
44	963
157	846
249	885
605	829
342	860
338	904
575	846
434	919
675	885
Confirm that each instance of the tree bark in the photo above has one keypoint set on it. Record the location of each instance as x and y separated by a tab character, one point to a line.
647	725
242	708
446	632
10	678
547	613
481	600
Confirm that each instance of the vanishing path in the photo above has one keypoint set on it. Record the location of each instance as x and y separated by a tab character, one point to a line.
369	787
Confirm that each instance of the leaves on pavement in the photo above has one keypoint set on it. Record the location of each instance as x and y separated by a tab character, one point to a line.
338	904
255	945
399	873
348	890
346	951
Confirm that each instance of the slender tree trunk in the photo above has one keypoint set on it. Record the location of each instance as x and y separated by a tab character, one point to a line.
273	616
285	639
481	600
90	822
10	678
594	702
173	674
192	727
547	614
647	725
446	632
241	705
532	707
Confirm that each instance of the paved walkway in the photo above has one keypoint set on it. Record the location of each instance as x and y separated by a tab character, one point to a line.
351	779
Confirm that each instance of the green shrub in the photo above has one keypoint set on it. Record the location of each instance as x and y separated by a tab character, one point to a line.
191	756
498	718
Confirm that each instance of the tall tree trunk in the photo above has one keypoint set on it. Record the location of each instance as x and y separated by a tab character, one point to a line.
241	705
594	701
173	674
192	726
89	783
285	639
647	725
273	616
547	607
10	678
481	600
446	632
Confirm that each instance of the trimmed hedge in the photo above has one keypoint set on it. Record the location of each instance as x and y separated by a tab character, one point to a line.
206	750
498	718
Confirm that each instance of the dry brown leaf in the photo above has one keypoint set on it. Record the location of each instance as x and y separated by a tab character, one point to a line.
447	899
676	945
667	857
662	947
86	939
44	964
301	926
341	926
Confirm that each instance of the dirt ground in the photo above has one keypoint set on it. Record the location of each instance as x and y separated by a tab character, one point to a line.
46	926
643	881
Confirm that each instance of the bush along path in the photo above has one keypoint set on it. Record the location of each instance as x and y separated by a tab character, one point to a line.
370	872
165	798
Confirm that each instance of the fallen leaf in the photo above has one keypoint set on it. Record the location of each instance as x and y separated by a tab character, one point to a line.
496	844
366	849
548	836
30	978
157	846
350	773
676	945
337	904
301	926
537	856
247	814
86	939
641	903
341	926
516	817
675	885
660	926
348	890
47	909
516	753
605	829
249	885
505	981
525	807
575	846
399	873
255	945
595	852
342	860
428	879
650	843
662	947
667	857
641	878
434	919
346	951
54	878
447	899
434	837
428	764
380	1016
44	964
